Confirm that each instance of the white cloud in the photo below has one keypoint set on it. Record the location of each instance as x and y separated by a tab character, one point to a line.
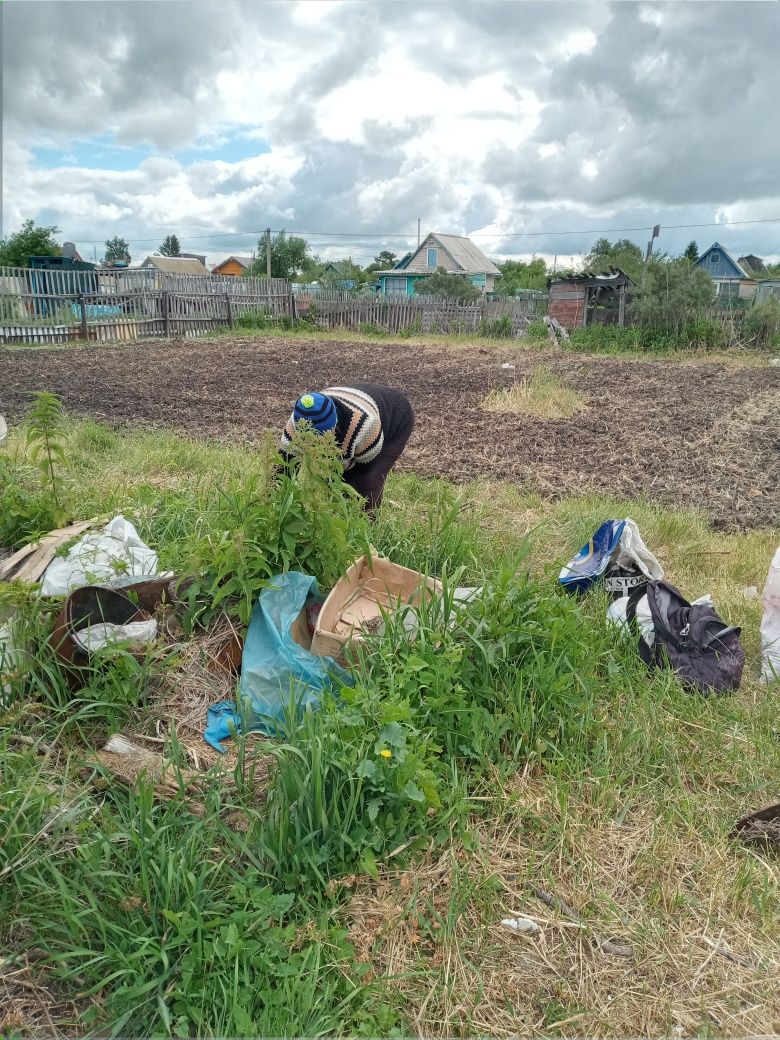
486	117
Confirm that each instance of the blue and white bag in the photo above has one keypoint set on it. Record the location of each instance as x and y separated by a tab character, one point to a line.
616	556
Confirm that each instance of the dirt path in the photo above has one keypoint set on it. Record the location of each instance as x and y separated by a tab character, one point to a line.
702	435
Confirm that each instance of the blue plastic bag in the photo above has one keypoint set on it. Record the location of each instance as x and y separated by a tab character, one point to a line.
590	563
273	663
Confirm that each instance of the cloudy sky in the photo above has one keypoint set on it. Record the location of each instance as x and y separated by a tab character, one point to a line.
532	126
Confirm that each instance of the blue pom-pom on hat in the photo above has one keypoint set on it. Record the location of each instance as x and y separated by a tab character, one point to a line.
317	409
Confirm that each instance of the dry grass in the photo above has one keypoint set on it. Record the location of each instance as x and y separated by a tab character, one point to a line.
201	676
29	1007
705	961
540	394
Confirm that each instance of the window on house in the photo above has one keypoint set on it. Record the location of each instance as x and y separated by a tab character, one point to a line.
714	257
395	287
433	257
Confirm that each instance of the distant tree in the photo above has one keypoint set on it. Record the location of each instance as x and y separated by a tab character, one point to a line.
338	271
384	261
289	256
691	252
169	246
515	274
29	240
117	249
453	286
623	254
671	292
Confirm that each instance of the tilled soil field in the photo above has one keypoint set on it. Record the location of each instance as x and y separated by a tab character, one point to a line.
698	435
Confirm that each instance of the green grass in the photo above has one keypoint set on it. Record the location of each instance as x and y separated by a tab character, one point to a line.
517	744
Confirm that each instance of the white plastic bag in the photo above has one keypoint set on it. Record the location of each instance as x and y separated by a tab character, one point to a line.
631	558
99	556
95	637
616	615
770	624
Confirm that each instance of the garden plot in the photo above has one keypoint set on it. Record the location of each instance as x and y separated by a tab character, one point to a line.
703	435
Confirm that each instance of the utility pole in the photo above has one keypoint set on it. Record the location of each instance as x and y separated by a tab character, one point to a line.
268	252
656	233
649	253
418	232
555	263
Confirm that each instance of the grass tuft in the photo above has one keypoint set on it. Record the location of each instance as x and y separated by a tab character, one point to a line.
540	394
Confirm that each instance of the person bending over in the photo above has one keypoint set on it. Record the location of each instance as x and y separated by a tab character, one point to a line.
372	424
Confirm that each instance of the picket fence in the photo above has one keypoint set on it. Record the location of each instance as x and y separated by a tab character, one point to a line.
42	306
429	314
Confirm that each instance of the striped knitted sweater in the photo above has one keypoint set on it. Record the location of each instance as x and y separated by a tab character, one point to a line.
359	431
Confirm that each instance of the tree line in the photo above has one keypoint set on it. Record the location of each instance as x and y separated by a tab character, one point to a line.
292	258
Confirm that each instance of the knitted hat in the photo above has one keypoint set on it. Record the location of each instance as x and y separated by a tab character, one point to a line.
318	409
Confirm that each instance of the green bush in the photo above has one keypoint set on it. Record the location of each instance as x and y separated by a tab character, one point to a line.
761	326
498	328
27	509
703	333
537	330
254	319
301	516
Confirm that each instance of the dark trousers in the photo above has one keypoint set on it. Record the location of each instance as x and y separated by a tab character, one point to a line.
369	480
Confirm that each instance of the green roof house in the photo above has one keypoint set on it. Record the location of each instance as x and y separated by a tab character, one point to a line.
452	253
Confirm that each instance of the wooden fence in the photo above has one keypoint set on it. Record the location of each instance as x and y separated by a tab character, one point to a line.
38	306
429	314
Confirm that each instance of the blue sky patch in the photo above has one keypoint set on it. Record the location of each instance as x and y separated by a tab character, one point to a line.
103	153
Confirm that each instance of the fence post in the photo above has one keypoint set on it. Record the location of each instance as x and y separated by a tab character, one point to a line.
229	310
166	309
293	308
84	325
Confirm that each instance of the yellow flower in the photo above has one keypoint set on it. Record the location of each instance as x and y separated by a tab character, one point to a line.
386	753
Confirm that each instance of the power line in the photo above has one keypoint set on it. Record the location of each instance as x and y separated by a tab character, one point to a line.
479	234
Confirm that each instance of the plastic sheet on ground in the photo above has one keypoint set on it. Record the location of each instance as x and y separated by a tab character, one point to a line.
770	624
98	557
273	663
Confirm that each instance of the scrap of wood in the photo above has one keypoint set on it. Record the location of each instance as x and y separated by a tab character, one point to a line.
30	562
129	763
556	903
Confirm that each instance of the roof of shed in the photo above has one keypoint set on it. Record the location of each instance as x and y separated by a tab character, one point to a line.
615	277
245	261
176	265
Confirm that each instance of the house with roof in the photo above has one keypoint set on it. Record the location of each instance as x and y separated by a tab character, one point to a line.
176	265
235	266
455	254
732	280
752	263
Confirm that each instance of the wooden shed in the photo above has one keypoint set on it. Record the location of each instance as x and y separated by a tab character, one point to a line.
589	297
235	266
